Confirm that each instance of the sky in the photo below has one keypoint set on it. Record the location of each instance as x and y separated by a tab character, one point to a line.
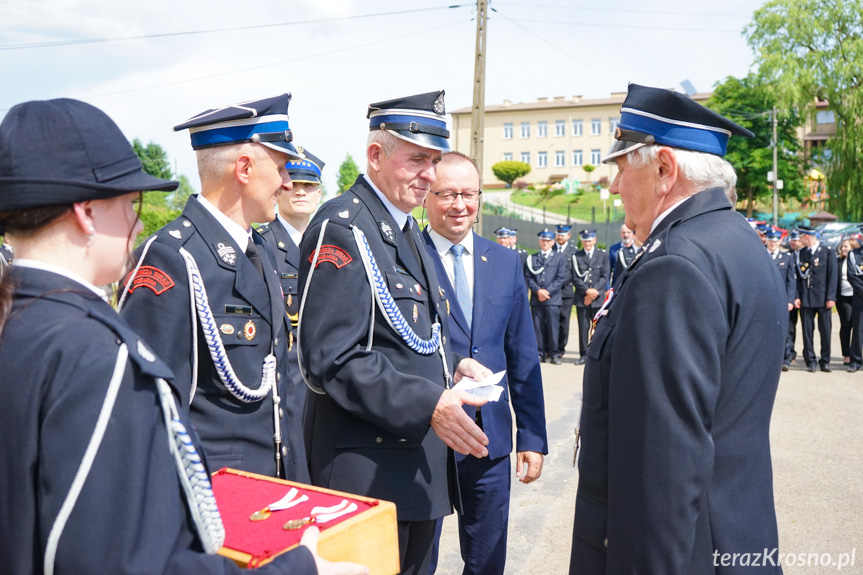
151	65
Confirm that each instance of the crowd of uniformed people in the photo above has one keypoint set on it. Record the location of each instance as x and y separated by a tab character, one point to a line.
324	346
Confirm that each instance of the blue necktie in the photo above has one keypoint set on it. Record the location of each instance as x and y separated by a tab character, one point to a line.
462	292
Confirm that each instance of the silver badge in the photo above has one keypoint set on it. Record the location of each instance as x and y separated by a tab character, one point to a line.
655	245
227	253
345	214
356	200
387	232
187	223
176	234
145	353
438	104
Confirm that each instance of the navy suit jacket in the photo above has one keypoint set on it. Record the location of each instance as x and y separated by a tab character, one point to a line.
817	276
785	265
502	338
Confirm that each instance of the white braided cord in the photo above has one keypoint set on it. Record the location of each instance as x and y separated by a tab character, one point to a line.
193	475
217	348
393	315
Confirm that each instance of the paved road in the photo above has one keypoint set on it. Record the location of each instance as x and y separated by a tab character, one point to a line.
817	439
502	198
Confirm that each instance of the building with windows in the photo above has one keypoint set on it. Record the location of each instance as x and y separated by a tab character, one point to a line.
556	136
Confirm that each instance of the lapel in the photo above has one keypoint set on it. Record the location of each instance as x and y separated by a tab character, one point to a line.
286	246
449	290
483	272
381	215
246	282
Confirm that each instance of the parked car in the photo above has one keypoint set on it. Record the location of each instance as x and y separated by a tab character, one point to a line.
833	233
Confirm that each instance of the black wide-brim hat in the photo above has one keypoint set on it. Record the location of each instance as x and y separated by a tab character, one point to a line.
59	152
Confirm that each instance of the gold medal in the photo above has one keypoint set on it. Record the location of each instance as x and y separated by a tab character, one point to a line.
295	524
447	307
249	330
261	514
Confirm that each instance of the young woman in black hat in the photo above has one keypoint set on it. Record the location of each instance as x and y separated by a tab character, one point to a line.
91	476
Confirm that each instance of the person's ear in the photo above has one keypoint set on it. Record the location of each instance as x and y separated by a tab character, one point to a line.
373	155
83	217
243	167
666	169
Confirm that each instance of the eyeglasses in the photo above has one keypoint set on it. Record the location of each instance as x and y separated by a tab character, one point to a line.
470	197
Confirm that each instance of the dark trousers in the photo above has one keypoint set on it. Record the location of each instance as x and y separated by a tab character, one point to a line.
807	325
856	347
843	308
415	546
482	526
545	322
563	329
585	317
792	334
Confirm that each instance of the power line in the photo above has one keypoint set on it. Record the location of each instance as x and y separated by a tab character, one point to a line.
217	30
636	26
411	34
625	11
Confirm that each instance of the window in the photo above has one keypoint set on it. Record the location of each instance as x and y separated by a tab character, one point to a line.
559	158
507	131
525	157
559	128
542	160
507	157
577	127
525	129
612	125
825	117
595	126
577	158
542	129
595	157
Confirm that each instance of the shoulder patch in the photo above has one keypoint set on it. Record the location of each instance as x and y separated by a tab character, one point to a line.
152	278
332	254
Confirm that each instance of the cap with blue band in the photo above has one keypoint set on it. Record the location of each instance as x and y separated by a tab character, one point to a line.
306	170
419	119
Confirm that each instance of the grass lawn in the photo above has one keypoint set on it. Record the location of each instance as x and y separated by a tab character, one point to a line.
578	206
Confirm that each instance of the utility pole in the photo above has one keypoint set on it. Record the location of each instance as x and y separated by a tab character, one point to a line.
775	173
477	118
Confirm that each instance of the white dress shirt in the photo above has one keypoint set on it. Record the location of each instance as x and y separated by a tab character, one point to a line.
443	245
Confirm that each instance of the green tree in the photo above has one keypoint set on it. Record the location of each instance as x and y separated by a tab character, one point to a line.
808	50
154	158
157	208
177	199
348	173
508	172
747	102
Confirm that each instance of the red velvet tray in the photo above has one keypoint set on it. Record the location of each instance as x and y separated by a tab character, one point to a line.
357	536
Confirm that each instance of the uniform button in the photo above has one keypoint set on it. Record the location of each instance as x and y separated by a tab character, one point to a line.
240	335
281	412
605	542
285	450
379	439
276	342
474	350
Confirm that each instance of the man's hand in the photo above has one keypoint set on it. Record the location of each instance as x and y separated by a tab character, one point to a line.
542	294
310	540
528	466
593	293
453	425
830	304
790	306
797	303
471	368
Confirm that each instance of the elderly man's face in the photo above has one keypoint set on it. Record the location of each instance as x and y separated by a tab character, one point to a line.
406	175
637	189
453	218
545	244
588	244
625	235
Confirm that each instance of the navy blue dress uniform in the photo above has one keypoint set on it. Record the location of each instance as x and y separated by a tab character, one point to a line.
817	283
680	380
566	292
243	315
500	337
307	169
379	368
88	403
621	259
549	273
855	278
786	265
588	271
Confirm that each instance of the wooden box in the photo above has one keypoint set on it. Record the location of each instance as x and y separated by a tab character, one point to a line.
368	535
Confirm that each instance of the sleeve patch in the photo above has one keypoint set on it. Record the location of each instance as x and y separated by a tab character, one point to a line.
332	254
152	278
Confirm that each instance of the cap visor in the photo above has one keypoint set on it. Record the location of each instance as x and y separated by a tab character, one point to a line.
283	147
304	179
425	140
619	148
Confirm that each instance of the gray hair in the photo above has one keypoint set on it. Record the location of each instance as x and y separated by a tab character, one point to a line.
216	162
702	170
388	141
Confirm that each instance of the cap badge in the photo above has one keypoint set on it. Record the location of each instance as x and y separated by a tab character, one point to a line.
227	253
438	104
